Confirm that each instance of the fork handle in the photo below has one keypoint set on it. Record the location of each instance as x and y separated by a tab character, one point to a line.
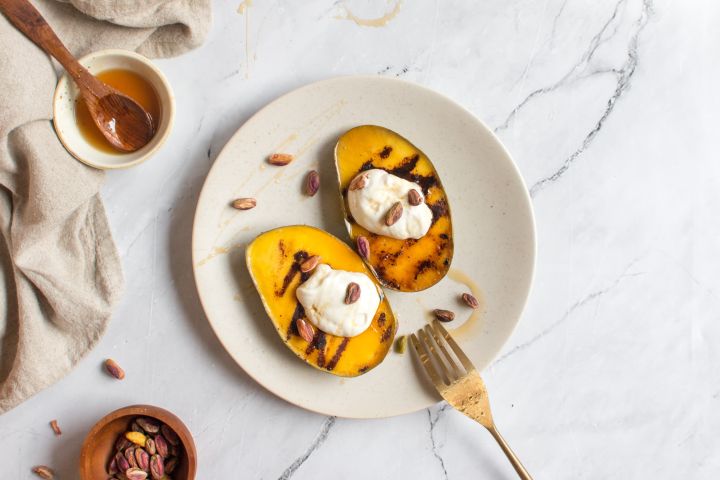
514	460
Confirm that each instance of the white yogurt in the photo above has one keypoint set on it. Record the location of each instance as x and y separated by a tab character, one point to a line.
369	206
323	298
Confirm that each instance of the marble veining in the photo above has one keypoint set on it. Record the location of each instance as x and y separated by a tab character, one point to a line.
591	297
433	420
623	76
322	436
610	110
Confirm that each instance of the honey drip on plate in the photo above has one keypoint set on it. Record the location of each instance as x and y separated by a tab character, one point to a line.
468	325
131	84
372	22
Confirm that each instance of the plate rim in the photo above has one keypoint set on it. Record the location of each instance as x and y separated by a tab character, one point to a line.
527	200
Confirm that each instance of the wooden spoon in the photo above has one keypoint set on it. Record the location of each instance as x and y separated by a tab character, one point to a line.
123	122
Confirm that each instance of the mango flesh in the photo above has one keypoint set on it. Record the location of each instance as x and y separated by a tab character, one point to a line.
405	265
274	259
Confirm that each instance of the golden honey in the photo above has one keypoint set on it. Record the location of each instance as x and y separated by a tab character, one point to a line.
131	84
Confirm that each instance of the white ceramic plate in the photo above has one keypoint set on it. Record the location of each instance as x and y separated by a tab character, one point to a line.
492	223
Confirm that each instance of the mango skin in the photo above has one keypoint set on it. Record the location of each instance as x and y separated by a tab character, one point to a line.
404	265
273	260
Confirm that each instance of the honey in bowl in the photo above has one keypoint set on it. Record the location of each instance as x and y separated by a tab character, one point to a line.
131	84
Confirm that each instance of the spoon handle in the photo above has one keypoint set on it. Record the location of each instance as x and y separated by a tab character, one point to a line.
28	20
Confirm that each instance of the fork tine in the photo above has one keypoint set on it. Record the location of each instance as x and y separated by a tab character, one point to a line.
434	355
426	363
455	347
452	363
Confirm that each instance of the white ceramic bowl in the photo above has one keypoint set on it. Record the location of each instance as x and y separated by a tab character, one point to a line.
66	93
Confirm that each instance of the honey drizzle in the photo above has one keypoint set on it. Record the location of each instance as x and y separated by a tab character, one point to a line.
131	84
372	22
469	325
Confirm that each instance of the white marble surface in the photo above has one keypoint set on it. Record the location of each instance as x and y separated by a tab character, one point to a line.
610	110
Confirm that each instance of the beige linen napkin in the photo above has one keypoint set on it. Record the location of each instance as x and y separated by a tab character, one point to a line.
60	273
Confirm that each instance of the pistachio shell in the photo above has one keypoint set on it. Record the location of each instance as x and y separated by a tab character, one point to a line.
135	474
157	468
148	425
170	435
161	445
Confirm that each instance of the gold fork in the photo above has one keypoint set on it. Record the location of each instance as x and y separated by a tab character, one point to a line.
465	391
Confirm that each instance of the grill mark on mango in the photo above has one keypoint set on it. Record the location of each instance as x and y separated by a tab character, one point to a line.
387	334
319	342
404	170
299	257
321	358
382	275
292	328
338	353
366	166
424	266
439	209
405	167
390	259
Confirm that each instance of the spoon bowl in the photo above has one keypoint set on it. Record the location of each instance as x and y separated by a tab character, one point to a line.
124	123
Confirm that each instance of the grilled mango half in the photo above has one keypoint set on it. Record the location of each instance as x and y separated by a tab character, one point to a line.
405	265
274	260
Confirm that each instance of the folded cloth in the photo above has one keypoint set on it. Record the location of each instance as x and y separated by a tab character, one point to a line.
60	273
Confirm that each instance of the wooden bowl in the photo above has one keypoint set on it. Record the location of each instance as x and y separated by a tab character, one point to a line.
99	445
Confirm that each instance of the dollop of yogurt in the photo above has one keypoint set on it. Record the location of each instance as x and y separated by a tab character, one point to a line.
323	298
369	206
